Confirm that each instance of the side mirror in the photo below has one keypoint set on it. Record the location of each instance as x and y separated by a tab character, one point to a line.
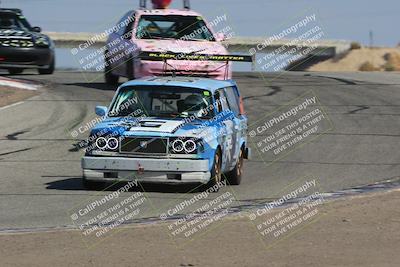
36	29
219	37
101	110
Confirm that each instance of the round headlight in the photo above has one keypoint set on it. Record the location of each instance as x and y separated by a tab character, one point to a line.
177	145
190	146
101	143
112	143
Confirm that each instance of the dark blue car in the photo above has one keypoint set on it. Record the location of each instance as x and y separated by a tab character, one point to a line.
23	46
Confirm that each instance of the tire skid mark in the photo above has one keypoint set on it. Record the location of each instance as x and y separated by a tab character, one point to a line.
275	90
360	107
15	151
13	136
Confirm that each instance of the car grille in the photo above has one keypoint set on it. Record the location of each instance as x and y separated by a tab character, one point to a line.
144	145
16	42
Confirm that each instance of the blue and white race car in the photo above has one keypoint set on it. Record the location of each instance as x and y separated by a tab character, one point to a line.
169	130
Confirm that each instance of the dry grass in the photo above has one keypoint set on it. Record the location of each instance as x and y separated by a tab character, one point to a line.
367	66
392	61
363	59
355	45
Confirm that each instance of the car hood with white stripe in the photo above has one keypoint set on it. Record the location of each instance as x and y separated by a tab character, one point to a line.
154	127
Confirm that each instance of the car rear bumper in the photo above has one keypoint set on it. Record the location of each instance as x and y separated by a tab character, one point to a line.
145	170
20	57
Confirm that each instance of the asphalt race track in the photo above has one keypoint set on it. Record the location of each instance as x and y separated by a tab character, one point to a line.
40	174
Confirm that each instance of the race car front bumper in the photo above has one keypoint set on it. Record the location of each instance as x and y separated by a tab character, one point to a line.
155	170
23	57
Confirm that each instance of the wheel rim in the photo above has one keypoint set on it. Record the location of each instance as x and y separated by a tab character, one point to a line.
239	168
217	168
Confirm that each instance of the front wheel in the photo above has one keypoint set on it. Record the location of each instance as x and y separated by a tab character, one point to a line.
216	173
49	69
235	176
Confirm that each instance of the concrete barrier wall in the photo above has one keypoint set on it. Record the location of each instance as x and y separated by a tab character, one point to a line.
327	48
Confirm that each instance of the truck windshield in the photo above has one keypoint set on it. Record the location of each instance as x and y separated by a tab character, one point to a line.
173	27
162	101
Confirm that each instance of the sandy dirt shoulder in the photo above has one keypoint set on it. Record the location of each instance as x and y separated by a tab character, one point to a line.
9	95
360	231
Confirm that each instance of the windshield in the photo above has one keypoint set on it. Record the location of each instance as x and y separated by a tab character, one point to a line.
162	101
11	21
173	26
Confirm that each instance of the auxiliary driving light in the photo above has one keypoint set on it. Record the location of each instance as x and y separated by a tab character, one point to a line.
190	146
178	145
112	143
107	143
101	143
184	146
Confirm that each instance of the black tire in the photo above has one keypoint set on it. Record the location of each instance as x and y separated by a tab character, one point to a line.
216	172
49	69
130	71
234	177
109	77
92	185
14	71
